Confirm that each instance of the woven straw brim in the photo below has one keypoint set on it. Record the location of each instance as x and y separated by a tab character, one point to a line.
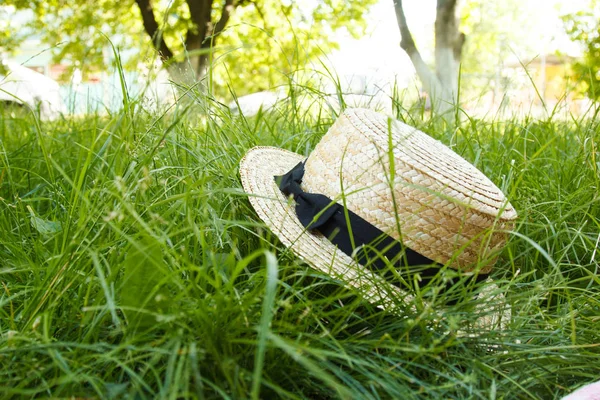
257	171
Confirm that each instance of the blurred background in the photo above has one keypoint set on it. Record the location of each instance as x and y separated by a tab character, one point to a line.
516	56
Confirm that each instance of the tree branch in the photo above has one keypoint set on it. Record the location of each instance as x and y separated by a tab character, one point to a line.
431	84
200	14
406	42
204	39
152	29
261	14
226	12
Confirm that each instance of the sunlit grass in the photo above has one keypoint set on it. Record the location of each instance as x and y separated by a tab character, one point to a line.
132	266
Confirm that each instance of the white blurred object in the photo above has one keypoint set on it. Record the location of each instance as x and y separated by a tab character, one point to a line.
372	89
379	102
356	84
24	86
250	104
587	392
76	79
369	81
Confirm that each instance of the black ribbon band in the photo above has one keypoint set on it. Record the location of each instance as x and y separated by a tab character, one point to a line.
356	237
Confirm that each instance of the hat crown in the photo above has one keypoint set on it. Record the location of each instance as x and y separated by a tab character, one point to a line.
412	187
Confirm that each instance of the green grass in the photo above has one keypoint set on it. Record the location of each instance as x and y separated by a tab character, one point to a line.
133	266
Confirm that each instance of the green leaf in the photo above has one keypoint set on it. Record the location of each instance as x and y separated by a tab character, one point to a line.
44	226
143	299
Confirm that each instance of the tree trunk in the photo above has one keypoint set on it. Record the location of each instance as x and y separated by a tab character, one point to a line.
191	70
448	48
198	42
442	85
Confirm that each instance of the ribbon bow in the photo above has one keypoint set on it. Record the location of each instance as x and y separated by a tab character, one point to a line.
313	210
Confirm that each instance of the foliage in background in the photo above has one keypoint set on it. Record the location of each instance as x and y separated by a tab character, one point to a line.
9	35
496	31
584	28
259	43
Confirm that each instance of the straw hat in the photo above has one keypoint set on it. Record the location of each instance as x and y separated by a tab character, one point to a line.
416	191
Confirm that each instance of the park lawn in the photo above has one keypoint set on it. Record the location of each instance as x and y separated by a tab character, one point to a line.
133	266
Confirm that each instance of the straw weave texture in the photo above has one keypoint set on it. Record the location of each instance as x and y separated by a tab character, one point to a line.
418	191
433	200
